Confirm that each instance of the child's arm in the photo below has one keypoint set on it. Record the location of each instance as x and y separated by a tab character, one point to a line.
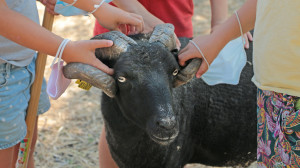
219	11
150	20
135	6
212	44
25	32
109	16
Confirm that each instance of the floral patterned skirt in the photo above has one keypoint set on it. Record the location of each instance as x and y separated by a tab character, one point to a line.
278	130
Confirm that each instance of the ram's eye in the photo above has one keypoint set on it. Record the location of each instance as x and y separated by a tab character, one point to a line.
175	72
121	79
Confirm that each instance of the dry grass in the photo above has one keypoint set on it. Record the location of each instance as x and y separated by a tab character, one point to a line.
69	132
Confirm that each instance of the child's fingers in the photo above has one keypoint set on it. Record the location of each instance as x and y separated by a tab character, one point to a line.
52	2
135	20
142	24
250	37
100	65
84	52
203	68
183	50
123	28
246	41
50	5
132	30
44	2
100	43
187	54
51	11
97	63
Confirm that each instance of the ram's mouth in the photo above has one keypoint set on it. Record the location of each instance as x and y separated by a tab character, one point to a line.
163	140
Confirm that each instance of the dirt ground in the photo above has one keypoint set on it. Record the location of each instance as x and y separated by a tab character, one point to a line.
69	131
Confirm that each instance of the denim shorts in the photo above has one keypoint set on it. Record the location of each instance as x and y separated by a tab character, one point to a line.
15	83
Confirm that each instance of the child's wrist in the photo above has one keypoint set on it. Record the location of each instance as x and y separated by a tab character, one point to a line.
99	12
97	7
67	51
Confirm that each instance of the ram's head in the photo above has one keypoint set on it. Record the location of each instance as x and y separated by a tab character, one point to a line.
146	71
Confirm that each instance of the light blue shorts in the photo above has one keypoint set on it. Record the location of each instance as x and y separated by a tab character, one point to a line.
15	83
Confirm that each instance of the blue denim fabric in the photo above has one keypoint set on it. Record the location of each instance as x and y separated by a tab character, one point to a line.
66	9
15	83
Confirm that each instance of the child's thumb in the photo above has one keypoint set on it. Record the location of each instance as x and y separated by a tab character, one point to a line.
184	55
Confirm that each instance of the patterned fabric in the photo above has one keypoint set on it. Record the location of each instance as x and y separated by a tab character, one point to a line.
278	130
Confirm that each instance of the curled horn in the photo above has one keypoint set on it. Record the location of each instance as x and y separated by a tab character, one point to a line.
187	73
95	76
164	33
121	44
91	75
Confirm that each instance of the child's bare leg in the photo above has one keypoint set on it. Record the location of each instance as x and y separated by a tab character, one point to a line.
6	157
105	159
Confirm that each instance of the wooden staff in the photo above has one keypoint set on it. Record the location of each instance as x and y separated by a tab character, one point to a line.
35	91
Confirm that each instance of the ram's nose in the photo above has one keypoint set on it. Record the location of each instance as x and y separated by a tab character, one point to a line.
167	123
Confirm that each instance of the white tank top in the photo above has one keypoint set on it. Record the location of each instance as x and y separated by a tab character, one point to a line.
11	52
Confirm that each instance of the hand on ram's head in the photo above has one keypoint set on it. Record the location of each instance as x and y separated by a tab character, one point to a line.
84	52
206	46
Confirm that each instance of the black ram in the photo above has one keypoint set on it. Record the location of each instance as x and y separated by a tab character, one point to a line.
158	116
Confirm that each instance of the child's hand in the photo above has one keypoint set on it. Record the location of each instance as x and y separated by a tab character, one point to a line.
111	18
50	5
84	52
208	48
149	24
